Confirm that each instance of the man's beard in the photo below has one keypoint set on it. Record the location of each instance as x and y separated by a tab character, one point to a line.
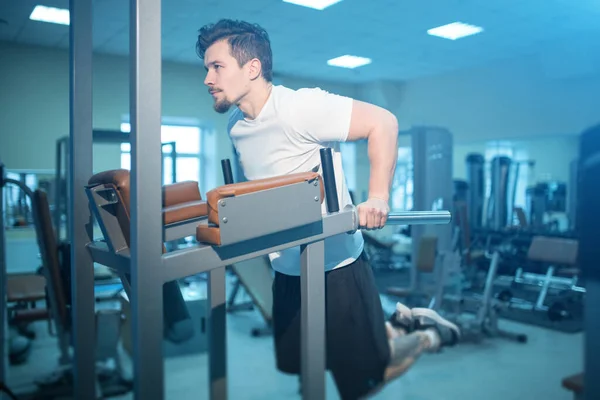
222	106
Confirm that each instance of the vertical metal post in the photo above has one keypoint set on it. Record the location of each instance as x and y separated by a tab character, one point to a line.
217	335
313	320
80	170
174	161
146	199
57	188
3	289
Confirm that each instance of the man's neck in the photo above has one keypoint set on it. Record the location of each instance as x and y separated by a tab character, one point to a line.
252	104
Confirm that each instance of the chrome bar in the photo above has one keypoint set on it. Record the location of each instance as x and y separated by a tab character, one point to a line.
419	218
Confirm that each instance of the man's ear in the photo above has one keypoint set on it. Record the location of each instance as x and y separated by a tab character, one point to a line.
254	68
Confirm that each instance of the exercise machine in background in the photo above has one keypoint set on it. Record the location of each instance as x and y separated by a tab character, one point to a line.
46	297
432	256
14	299
440	273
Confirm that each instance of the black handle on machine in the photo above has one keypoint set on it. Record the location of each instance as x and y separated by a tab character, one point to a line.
227	173
333	204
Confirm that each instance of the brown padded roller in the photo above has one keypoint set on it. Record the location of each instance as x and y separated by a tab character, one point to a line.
185	211
31	315
208	234
180	192
236	189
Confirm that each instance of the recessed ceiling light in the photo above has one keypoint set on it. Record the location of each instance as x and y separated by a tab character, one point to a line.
316	4
455	30
349	61
50	14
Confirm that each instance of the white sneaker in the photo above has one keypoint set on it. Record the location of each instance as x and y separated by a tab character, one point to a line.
426	318
402	318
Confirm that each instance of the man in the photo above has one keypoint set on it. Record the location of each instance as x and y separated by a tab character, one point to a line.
278	131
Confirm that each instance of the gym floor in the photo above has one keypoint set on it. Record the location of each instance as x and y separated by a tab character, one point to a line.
493	369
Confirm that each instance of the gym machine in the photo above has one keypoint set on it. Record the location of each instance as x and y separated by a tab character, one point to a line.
51	287
476	189
239	222
286	212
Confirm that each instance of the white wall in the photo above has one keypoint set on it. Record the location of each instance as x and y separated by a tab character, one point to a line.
511	100
507	100
34	103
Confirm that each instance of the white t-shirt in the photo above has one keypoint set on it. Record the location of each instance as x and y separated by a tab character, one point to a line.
286	138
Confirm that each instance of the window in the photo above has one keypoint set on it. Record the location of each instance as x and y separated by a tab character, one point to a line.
194	152
402	187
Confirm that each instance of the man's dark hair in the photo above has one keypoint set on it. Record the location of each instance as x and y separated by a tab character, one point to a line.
246	41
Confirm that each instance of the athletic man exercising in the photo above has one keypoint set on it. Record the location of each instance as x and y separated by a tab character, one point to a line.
276	131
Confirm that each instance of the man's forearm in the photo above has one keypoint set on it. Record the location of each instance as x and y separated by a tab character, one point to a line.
383	153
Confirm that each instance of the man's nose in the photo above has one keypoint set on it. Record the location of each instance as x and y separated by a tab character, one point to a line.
208	80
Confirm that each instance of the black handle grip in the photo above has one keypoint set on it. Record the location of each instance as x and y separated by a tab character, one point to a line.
333	204
227	174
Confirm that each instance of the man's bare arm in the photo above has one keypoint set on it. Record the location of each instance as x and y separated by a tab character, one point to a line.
380	128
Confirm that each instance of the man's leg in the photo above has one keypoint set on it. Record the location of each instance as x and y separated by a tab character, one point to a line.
358	350
412	332
286	322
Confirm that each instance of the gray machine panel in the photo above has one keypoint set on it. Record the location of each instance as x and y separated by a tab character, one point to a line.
269	211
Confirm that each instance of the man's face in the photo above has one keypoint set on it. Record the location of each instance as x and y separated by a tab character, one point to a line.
227	82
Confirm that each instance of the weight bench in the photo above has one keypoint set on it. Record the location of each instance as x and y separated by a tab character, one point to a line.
555	252
553	300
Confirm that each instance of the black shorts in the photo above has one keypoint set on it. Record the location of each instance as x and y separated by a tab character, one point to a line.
357	346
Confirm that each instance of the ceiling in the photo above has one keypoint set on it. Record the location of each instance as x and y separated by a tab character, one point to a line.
390	32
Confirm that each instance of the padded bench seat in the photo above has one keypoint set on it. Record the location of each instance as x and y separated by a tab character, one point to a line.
207	233
25	288
182	202
553	250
